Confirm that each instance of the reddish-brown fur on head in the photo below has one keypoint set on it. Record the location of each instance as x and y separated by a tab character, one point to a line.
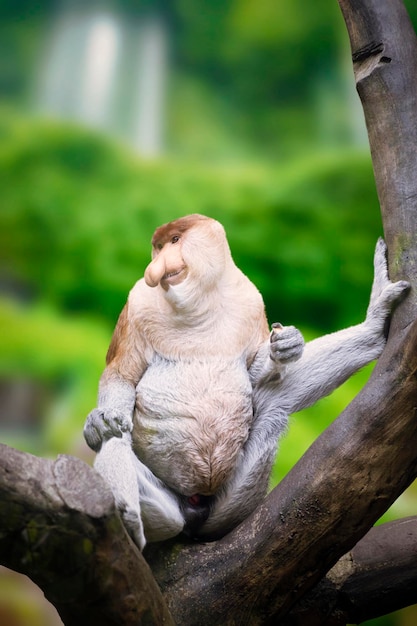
164	233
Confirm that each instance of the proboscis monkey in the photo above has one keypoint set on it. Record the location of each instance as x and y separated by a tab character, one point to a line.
197	389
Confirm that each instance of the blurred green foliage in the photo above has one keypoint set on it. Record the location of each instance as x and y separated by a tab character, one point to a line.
78	215
65	357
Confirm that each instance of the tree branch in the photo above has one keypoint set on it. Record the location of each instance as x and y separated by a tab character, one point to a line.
351	591
49	518
388	554
58	525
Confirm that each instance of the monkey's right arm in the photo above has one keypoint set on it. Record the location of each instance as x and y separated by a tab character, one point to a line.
117	388
330	360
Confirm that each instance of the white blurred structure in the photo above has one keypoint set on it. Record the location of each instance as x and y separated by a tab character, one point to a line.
152	56
97	73
109	73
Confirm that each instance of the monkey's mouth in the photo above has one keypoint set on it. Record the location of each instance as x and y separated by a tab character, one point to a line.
175	277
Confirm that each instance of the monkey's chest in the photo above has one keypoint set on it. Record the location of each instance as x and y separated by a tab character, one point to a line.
191	421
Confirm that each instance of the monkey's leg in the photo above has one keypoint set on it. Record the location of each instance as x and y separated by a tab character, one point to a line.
116	463
161	509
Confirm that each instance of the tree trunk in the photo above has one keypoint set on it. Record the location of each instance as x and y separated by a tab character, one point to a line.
384	54
272	568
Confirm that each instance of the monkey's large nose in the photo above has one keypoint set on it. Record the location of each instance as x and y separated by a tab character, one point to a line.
155	271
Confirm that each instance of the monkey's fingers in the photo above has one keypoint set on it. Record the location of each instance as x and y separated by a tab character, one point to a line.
287	343
93	429
103	424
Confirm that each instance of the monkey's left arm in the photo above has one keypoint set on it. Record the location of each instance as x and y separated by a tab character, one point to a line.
330	360
117	389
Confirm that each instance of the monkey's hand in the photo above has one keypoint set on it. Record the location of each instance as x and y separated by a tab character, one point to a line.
385	294
286	344
103	423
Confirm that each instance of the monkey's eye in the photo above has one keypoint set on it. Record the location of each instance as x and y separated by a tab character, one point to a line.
175	239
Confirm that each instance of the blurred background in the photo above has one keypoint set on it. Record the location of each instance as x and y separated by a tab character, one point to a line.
118	116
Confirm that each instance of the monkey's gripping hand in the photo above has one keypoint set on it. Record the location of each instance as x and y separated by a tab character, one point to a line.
104	423
286	343
384	295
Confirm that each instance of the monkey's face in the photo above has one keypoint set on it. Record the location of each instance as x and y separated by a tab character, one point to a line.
167	267
194	246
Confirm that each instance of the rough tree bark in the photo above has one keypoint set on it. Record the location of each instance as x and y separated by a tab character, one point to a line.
296	560
58	525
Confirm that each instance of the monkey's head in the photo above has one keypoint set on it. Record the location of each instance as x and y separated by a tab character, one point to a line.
192	247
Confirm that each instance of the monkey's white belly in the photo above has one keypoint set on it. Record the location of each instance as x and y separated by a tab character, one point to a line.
191	421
